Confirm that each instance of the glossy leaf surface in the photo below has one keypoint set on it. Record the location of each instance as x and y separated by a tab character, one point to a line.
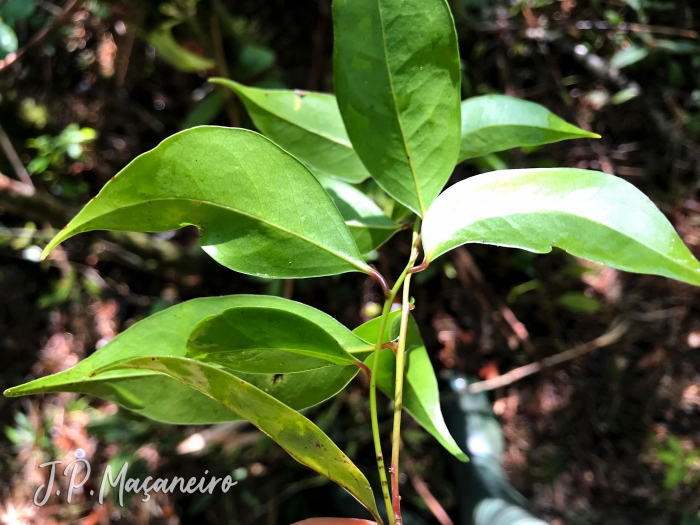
397	82
369	226
494	123
166	333
589	214
266	340
303	440
259	210
421	398
308	125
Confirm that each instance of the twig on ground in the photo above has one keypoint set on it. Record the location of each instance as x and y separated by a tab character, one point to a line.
602	69
424	492
470	276
610	337
14	159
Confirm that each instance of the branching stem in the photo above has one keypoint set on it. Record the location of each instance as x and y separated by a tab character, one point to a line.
373	412
390	295
400	365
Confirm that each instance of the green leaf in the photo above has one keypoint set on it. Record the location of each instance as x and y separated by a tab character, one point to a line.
258	209
303	440
629	55
267	340
13	10
493	123
307	125
397	80
205	110
174	54
578	302
166	333
8	40
254	60
586	213
368	330
369	226
421	398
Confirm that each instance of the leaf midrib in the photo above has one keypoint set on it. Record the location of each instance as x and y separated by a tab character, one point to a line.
421	205
297	351
245	214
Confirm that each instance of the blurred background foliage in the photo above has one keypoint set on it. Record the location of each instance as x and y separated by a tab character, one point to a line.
607	431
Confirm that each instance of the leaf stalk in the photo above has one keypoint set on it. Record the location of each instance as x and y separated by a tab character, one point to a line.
400	366
391	508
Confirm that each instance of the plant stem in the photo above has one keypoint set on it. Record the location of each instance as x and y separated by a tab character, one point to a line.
390	296
398	389
373	411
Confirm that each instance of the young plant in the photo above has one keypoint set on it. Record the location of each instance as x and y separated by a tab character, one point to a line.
283	206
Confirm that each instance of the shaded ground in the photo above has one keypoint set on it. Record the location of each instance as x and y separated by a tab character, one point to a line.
586	440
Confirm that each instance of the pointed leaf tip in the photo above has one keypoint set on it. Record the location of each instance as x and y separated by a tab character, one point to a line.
164	399
300	437
308	126
202	177
493	123
592	215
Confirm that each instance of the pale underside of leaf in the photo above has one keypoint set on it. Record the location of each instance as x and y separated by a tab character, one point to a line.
589	214
369	226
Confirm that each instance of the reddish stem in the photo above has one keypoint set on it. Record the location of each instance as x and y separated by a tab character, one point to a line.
367	369
422	266
374	273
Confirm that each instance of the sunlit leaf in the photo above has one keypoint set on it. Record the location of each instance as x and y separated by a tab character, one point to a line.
307	125
493	123
303	440
166	333
258	209
267	340
397	80
589	214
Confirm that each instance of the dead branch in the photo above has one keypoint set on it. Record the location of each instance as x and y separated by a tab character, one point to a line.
424	492
610	337
14	159
470	276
